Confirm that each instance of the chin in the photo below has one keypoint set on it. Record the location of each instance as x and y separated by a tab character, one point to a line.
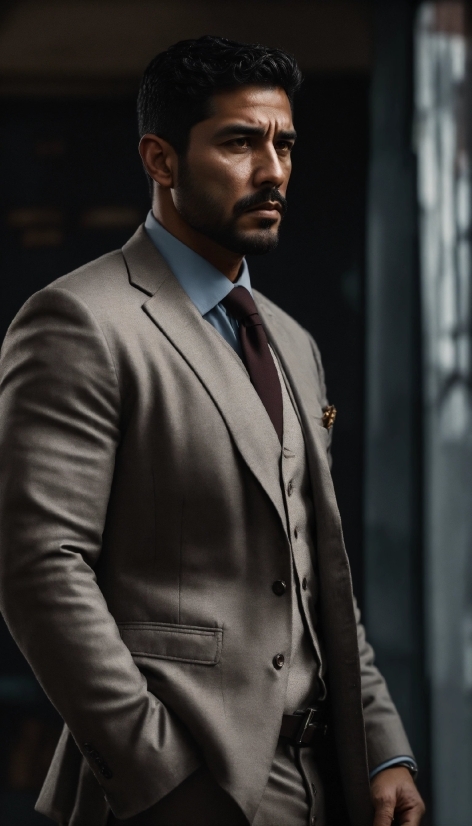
259	242
246	242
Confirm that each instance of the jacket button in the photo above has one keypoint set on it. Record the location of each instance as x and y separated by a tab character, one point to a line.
279	587
278	661
304	583
290	488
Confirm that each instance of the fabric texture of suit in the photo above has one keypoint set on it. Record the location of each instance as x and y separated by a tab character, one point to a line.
141	528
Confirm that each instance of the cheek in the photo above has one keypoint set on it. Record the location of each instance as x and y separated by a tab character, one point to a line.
226	178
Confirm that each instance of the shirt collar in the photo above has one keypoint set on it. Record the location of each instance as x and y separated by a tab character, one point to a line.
204	284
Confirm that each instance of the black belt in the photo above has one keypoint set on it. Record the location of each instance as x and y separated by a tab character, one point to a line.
305	728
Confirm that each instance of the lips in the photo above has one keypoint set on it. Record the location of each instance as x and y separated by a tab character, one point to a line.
267	206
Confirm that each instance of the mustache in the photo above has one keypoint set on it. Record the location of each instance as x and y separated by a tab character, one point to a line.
251	201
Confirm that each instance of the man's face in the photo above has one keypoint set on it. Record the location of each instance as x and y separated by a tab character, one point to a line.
232	181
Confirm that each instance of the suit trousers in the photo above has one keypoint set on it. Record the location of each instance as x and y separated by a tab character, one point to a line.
292	797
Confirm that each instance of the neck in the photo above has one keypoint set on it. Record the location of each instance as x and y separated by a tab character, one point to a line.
163	209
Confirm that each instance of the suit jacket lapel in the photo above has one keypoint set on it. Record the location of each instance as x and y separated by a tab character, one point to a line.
337	612
213	361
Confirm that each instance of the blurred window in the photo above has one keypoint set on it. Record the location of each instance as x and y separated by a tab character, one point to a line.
443	136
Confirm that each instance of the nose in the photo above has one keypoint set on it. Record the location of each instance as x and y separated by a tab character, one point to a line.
269	170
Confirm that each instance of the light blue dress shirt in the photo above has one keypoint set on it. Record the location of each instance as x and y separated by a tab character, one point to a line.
207	287
204	284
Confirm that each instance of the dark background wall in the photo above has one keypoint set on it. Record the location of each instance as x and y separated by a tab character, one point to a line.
72	188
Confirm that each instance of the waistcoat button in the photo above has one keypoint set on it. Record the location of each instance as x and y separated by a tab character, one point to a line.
278	661
304	583
279	587
290	488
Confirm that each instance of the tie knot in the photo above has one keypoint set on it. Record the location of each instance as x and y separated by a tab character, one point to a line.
240	304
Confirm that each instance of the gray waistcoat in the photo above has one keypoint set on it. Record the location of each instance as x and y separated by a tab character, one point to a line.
306	665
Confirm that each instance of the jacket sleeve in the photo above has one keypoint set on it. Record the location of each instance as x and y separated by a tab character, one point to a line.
59	432
385	734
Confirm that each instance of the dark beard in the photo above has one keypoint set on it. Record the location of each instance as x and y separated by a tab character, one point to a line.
203	214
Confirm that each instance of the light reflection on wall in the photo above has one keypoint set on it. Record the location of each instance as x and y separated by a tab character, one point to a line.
444	191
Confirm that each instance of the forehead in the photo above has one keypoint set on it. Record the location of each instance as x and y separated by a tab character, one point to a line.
255	105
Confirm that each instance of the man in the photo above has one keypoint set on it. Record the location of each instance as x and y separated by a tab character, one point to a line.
172	562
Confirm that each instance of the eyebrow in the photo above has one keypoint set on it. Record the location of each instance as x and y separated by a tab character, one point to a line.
256	131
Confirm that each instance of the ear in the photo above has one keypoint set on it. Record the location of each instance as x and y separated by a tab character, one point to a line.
159	160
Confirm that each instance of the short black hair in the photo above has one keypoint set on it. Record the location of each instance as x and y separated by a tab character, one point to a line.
178	84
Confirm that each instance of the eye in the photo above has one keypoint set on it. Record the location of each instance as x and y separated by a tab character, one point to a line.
240	143
284	147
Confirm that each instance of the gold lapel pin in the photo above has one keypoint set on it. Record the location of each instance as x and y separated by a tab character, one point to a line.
329	416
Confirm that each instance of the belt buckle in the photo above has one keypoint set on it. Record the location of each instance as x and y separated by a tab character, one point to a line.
306	720
310	714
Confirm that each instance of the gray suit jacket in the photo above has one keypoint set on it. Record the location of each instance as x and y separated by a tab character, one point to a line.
141	529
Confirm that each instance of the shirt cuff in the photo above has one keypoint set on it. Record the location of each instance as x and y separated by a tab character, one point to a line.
403	759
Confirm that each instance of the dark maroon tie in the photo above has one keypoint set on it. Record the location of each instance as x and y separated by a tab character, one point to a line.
239	304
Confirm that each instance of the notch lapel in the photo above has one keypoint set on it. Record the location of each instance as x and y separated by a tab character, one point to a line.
212	360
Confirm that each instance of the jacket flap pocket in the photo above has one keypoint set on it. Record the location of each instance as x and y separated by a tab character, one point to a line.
165	641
